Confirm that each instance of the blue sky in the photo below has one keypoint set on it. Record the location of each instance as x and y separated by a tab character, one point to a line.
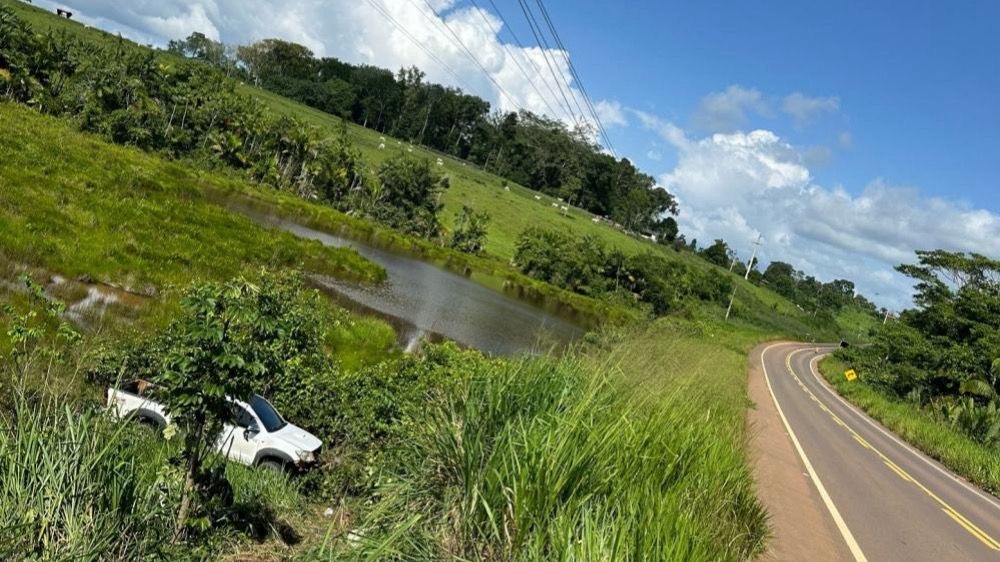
847	134
917	81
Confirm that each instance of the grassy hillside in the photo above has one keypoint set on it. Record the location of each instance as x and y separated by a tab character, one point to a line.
513	208
131	219
512	211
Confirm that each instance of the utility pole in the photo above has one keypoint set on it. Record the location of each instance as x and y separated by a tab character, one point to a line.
730	307
753	256
887	314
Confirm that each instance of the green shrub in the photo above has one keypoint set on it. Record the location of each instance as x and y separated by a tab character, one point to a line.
409	195
363	415
469	235
585	266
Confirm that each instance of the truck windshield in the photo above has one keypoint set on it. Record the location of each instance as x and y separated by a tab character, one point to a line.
269	417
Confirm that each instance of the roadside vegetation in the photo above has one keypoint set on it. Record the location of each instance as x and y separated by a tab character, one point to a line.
933	374
445	454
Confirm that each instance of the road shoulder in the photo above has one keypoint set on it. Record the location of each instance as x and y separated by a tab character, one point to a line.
800	525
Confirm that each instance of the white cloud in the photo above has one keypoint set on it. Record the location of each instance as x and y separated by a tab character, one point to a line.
654	155
358	33
805	109
667	130
734	186
727	111
611	113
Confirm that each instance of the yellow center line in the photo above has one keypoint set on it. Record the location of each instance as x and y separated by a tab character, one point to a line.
971	528
862	441
955	515
899	472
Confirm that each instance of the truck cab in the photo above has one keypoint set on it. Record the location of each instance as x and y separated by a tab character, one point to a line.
257	435
254	434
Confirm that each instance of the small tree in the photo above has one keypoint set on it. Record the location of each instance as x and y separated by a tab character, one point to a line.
411	193
206	362
718	253
470	231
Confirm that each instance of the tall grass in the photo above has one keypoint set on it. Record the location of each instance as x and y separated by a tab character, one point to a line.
544	459
924	428
75	487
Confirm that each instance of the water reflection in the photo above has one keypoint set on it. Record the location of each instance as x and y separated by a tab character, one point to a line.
426	302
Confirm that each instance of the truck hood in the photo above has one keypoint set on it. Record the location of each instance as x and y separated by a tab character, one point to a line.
297	437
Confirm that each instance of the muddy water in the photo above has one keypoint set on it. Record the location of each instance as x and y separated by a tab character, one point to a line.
426	302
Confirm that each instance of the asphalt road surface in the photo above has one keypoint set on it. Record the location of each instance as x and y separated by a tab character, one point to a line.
888	501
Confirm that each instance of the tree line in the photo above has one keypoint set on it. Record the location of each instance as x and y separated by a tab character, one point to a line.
586	266
944	354
532	150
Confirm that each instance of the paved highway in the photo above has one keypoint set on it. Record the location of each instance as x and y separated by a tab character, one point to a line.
888	501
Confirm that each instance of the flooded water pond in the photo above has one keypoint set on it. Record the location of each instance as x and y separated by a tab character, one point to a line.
426	302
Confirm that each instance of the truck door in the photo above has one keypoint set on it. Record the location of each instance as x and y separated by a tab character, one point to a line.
239	435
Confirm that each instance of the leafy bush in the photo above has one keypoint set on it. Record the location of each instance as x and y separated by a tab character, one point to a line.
363	414
409	195
980	422
469	235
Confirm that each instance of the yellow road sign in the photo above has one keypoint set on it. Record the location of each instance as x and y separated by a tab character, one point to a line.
850	374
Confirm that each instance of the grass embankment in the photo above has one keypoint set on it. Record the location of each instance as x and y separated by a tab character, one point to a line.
919	427
631	450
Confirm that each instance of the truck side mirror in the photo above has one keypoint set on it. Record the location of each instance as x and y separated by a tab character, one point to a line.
251	431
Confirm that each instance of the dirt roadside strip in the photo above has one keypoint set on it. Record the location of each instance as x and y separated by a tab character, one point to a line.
800	525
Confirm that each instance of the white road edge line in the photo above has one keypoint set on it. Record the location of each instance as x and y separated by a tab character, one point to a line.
822	382
841	525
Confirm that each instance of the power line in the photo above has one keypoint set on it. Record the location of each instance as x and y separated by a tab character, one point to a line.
471	56
540	73
572	68
532	23
384	12
543	42
524	72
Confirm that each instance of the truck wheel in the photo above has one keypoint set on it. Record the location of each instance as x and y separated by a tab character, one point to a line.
149	426
273	465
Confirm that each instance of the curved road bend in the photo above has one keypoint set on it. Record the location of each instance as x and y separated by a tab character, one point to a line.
888	501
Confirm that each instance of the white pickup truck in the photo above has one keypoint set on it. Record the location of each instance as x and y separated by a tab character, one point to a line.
255	434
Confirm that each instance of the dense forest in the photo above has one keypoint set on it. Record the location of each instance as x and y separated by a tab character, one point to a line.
944	355
525	148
